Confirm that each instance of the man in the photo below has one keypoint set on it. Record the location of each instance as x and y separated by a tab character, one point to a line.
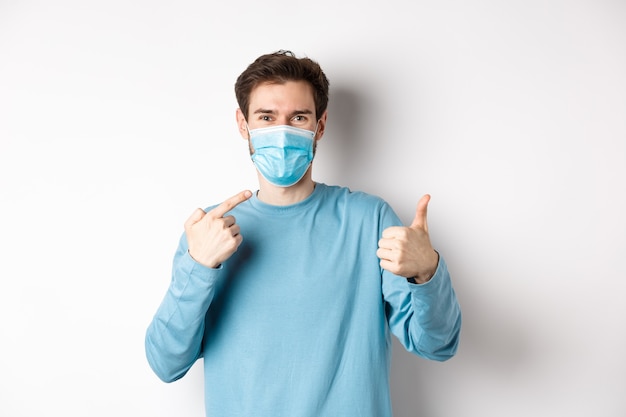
290	294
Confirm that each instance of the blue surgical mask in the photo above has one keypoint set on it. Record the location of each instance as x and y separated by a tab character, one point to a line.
282	154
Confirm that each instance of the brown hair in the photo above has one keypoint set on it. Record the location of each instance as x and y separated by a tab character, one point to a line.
279	67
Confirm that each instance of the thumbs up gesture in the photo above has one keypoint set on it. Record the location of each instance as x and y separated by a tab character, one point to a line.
407	251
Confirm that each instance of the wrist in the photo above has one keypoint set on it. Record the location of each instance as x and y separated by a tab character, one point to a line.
209	264
426	275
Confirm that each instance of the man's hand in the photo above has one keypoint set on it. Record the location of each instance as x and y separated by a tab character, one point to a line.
211	237
406	251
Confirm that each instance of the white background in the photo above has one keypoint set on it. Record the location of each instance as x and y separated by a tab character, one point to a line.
117	119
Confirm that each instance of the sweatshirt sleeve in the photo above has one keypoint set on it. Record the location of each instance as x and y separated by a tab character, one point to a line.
426	318
173	339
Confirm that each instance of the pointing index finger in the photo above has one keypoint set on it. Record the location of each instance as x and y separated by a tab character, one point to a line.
230	203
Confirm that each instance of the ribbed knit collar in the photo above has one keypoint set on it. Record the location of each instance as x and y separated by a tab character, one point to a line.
298	207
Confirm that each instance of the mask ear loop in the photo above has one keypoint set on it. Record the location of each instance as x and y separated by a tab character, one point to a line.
316	126
249	141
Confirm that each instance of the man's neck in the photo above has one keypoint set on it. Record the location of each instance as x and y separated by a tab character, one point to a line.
285	196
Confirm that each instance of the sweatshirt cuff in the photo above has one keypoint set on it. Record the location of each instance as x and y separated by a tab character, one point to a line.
440	273
196	271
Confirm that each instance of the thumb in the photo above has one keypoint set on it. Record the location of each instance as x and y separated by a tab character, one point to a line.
421	213
195	217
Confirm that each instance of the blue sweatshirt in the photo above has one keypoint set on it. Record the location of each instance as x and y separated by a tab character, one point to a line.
298	321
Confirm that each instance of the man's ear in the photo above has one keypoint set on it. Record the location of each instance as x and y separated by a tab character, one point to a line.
321	125
242	124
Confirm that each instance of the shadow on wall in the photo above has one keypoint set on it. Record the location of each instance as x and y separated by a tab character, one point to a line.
343	150
494	346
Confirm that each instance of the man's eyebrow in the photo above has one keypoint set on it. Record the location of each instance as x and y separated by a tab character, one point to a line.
296	112
293	113
264	111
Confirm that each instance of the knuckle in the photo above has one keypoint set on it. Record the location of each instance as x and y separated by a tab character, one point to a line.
233	244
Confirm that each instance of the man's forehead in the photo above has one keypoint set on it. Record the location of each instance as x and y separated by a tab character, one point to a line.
290	95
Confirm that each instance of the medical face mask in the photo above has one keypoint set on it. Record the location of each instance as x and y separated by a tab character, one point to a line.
282	154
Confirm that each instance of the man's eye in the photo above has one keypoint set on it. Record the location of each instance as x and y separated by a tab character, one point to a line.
299	118
266	118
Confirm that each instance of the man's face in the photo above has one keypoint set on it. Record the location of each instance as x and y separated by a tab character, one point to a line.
290	103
